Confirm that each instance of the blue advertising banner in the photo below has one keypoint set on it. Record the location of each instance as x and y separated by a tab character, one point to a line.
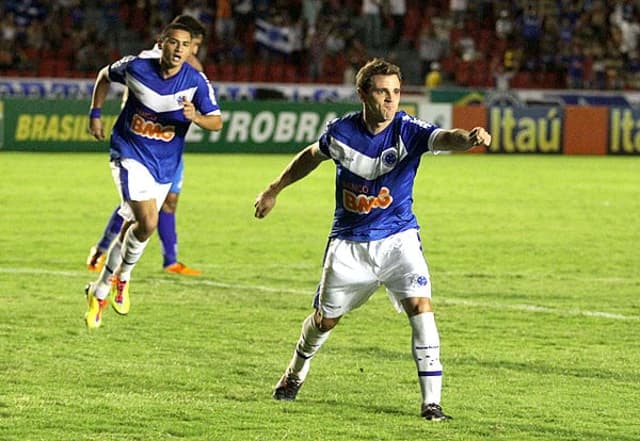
82	88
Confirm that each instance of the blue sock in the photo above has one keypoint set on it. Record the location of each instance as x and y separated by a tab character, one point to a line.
168	237
111	230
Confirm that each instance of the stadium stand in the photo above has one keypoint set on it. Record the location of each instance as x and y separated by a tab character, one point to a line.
539	43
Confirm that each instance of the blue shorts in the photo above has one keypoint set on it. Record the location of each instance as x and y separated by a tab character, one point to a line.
176	184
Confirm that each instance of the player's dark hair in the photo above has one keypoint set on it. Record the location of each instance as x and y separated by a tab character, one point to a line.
175	27
375	66
196	27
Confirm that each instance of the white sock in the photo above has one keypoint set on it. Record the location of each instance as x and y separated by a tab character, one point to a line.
114	256
132	250
426	353
311	339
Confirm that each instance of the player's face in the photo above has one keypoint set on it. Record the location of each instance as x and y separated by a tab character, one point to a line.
196	42
176	48
382	100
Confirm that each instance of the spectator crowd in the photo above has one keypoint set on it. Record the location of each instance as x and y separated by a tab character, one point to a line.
576	44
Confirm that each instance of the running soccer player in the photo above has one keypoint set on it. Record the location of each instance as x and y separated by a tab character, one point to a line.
167	217
166	95
374	239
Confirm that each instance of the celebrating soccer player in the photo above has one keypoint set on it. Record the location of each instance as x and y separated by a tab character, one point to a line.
374	239
167	217
166	95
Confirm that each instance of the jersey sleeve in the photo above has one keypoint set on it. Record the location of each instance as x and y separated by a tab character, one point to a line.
323	143
432	138
205	97
325	138
117	70
418	135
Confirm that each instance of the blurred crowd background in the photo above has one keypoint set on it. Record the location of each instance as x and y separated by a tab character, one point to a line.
575	44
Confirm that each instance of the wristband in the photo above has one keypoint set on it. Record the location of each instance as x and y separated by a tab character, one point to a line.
95	112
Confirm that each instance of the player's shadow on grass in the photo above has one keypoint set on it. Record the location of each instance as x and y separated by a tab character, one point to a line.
386	409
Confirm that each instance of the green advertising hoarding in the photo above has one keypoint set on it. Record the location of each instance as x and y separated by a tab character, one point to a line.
249	126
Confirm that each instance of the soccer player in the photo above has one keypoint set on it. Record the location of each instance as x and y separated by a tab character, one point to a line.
167	217
374	239
166	95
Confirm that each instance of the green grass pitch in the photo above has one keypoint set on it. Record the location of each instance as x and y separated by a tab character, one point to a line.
534	264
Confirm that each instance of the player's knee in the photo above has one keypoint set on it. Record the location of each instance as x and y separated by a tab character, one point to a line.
145	227
325	324
170	203
417	305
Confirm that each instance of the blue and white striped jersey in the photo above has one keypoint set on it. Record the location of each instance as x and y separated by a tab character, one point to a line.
151	127
375	174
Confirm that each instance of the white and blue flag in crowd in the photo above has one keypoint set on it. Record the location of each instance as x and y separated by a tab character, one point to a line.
283	39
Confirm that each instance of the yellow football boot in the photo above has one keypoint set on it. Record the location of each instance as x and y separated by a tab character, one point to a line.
120	296
96	307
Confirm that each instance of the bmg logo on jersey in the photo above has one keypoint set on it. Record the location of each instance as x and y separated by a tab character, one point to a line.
152	130
363	203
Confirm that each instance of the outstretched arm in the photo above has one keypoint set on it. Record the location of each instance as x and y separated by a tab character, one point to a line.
100	91
460	139
300	166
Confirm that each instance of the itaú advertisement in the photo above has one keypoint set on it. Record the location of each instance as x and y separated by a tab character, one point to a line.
555	129
570	129
536	129
624	131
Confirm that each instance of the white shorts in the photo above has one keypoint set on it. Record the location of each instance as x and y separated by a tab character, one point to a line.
353	271
135	183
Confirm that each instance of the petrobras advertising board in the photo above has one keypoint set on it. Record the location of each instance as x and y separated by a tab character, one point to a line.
259	126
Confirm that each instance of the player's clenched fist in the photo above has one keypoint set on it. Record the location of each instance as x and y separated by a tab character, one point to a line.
264	203
188	109
479	136
95	128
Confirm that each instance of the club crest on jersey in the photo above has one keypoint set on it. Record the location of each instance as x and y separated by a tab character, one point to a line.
420	280
390	157
364	203
152	130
